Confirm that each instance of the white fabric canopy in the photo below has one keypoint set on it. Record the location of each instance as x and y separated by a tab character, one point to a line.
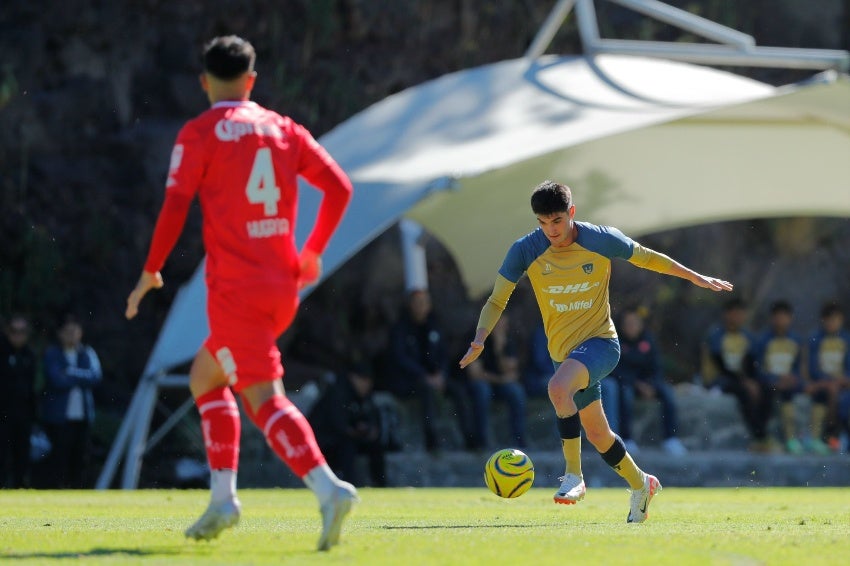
645	144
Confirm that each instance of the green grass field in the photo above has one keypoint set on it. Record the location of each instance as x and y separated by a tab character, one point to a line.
435	526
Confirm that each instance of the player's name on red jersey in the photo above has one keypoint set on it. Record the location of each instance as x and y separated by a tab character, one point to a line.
268	227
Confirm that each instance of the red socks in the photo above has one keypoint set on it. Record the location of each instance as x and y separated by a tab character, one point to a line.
221	427
289	434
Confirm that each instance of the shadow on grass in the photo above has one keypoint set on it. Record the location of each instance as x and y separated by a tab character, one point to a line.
94	552
479	526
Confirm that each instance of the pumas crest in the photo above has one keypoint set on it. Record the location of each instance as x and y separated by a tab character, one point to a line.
588	268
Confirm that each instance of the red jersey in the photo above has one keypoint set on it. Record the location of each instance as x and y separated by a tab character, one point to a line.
243	161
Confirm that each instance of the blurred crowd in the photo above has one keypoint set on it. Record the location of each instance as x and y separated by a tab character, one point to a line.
47	411
774	374
377	367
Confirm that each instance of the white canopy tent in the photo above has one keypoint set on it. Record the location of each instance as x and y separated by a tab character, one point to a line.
646	145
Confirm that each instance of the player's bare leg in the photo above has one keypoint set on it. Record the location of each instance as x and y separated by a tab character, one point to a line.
220	424
613	450
290	436
568	379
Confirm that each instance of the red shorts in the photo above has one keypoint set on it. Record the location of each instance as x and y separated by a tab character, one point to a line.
244	327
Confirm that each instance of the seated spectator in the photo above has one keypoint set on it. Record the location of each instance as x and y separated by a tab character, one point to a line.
539	368
71	371
347	422
730	367
778	360
495	375
418	368
829	372
17	404
639	374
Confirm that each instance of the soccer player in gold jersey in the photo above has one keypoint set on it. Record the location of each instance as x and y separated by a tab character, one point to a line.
569	266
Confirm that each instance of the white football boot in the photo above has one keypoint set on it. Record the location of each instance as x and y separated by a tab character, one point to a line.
641	498
572	490
333	513
218	516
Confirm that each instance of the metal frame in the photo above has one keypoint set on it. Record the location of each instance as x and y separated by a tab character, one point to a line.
732	48
133	443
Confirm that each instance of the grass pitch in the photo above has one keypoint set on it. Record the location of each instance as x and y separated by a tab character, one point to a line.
434	526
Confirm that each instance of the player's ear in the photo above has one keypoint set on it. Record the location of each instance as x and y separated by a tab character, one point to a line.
205	84
572	211
250	80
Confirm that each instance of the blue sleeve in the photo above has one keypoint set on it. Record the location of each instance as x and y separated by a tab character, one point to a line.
513	266
713	340
522	253
605	240
796	366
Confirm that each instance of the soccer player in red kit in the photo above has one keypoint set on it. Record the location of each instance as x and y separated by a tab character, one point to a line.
242	161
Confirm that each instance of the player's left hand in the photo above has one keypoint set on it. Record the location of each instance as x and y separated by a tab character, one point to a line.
311	268
146	282
712	283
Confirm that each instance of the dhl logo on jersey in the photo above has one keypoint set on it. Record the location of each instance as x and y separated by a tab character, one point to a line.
571	289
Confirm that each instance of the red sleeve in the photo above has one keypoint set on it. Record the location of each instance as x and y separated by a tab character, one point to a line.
184	175
168	228
337	188
321	171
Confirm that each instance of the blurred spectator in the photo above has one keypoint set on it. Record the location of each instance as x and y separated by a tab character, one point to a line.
17	404
418	368
72	370
538	369
639	374
496	375
730	367
778	359
829	372
347	422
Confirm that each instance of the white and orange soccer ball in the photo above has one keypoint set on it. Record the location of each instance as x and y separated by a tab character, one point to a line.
509	473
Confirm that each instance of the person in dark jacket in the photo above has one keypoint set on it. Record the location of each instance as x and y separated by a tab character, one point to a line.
17	404
419	368
639	374
347	422
71	371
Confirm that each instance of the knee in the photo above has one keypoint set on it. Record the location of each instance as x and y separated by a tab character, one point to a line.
560	387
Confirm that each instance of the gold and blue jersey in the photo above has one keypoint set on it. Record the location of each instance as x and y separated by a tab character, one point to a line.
829	355
731	351
778	355
570	283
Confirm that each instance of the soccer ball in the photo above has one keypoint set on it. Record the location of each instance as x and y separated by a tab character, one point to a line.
509	473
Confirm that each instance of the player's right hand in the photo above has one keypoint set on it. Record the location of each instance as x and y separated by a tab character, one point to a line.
475	349
310	264
146	282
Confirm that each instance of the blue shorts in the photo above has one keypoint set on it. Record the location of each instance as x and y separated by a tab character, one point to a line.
600	356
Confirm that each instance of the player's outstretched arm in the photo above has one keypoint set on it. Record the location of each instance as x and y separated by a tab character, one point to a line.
656	261
713	283
146	282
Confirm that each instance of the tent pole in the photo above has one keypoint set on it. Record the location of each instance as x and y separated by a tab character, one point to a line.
549	28
413	253
136	446
107	474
